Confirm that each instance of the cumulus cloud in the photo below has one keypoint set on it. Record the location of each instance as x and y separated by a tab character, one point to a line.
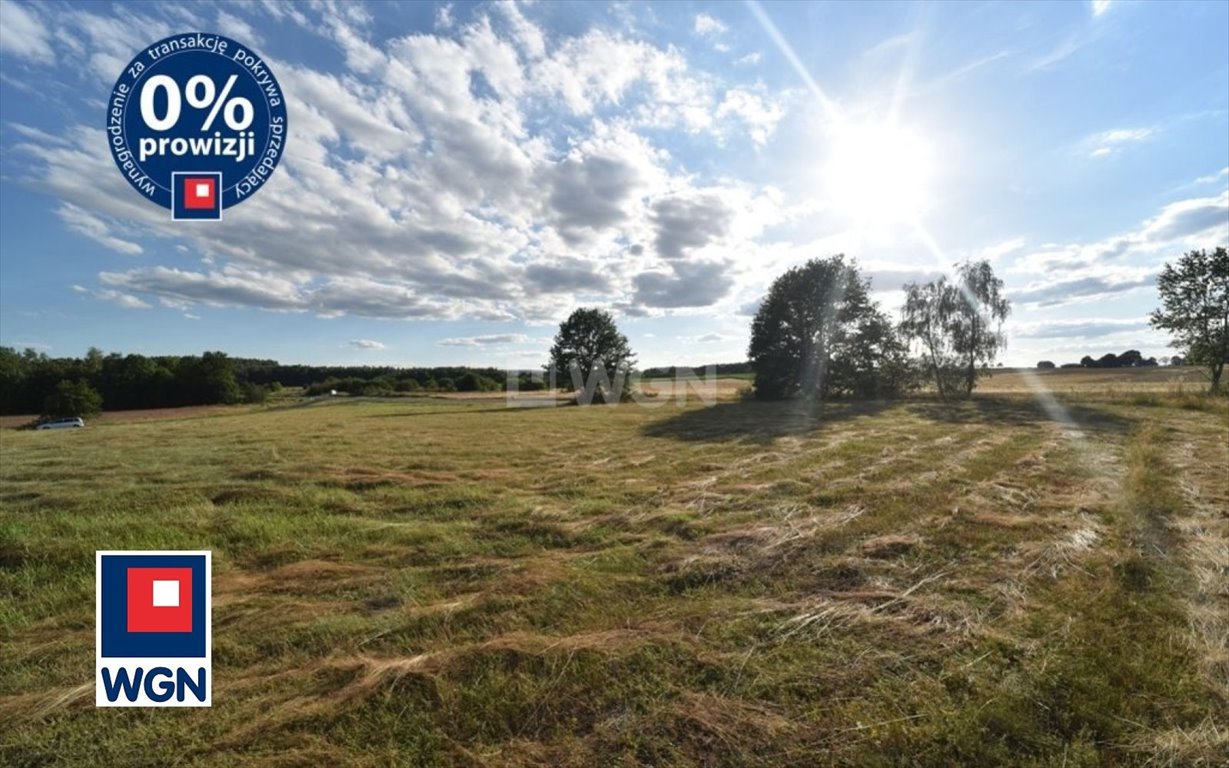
688	284
423	180
567	275
364	344
708	26
688	223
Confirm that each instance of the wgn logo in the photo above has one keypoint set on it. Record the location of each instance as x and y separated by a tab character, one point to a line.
153	629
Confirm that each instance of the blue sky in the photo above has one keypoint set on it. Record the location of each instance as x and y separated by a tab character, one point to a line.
458	177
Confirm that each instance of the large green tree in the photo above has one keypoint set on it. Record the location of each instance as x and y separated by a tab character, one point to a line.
1195	308
958	324
590	355
818	333
72	398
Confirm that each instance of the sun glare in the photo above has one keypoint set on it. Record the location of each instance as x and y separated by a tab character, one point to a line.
877	173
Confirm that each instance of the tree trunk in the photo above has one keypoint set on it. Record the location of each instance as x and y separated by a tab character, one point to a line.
970	376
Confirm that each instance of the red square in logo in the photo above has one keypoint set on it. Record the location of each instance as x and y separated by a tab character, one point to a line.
159	599
199	192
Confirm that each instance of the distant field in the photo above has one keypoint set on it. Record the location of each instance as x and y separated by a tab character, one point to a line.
445	582
1097	380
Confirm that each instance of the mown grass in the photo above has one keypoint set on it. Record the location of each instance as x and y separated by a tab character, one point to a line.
450	583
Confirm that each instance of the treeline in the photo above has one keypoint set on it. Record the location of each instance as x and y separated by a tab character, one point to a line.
32	382
1132	358
721	369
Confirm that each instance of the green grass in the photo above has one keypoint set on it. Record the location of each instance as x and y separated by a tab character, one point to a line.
452	583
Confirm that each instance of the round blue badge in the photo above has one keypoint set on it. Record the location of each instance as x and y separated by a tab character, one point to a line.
197	123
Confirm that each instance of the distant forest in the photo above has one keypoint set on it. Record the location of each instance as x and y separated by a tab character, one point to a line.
30	380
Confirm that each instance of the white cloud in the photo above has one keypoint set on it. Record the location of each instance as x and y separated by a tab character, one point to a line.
752	58
364	344
235	27
1212	178
119	298
759	114
488	340
93	227
1076	327
708	26
1057	54
1108	142
423	180
1099	7
999	250
22	34
1066	273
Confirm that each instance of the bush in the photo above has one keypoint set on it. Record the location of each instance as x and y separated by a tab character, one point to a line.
253	393
1045	365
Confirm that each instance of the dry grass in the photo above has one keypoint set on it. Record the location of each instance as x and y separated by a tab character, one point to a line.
454	583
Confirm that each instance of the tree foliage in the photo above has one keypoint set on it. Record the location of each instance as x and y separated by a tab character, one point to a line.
1195	308
72	398
817	333
958	325
590	354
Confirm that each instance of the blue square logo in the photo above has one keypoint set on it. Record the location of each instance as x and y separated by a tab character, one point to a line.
153	629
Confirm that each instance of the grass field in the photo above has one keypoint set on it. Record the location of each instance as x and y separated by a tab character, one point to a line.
436	582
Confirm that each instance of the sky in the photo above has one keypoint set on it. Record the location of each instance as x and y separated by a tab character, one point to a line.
459	177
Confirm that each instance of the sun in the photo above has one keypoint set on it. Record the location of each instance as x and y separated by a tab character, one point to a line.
877	173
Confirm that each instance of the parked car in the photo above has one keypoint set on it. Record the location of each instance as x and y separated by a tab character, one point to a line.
64	423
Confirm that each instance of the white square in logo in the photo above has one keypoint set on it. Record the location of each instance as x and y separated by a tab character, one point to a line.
166	594
202	190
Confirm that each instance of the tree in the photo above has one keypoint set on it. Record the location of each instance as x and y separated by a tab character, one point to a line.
1088	362
72	398
1195	308
957	324
590	354
1045	365
473	382
818	333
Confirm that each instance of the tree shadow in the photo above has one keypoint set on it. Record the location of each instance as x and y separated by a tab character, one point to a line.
764	422
1020	410
760	422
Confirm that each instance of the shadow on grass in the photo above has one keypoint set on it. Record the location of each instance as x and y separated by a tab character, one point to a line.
760	422
763	422
1017	410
